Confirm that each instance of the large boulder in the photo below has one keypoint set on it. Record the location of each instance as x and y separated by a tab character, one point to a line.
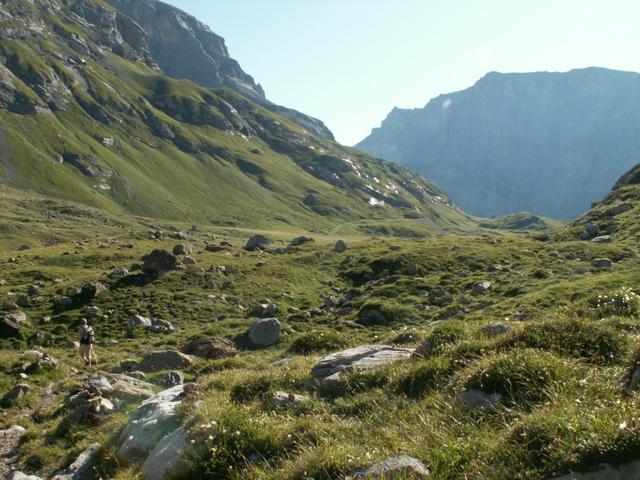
606	471
17	475
91	290
114	386
164	360
81	467
158	262
136	321
9	328
211	348
330	369
167	456
257	242
154	419
182	249
265	332
402	467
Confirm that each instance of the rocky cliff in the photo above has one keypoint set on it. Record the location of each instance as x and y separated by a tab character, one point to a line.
186	48
550	143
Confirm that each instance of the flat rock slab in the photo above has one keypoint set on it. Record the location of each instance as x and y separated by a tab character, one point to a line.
605	471
9	440
149	423
402	467
81	467
167	456
122	387
366	357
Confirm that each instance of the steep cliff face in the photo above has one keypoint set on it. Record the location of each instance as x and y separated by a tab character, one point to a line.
185	48
550	143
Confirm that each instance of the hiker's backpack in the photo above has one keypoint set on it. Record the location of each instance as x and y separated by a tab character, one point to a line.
89	335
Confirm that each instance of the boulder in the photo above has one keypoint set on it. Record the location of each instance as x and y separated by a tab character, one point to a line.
182	249
170	379
115	386
187	260
617	209
605	471
167	456
411	269
161	326
603	239
9	328
257	242
494	329
265	332
164	360
480	288
329	369
154	419
402	467
158	262
92	290
340	247
17	391
301	240
136	321
284	400
119	272
81	467
211	348
17	317
439	297
264	309
17	475
601	263
472	399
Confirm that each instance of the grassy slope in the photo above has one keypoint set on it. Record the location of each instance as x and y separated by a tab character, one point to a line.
230	162
574	402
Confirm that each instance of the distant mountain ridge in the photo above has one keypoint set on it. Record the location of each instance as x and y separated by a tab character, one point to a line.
550	143
184	47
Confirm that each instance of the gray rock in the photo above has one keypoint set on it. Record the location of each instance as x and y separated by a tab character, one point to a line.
81	467
9	328
211	348
149	424
170	379
187	260
329	369
472	399
161	326
605	471
402	467
17	317
264	309
480	288
158	262
340	247
411	269
164	360
494	329
257	242
618	209
634	383
182	249
17	391
439	297
330	302
17	475
119	272
301	240
167	456
284	400
91	312
136	321
603	239
265	332
92	290
601	263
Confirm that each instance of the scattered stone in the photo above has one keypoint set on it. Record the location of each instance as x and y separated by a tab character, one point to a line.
92	290
329	369
136	321
164	360
439	297
283	362
81	467
257	242
23	248
161	326
301	240
167	456
264	309
411	269
9	305
404	467
9	443
617	210
480	288
33	290
23	301
64	302
9	328
340	247
3	282
46	363
170	379
494	329
154	419
211	348
371	316
330	302
182	249
17	475
138	375
606	471
187	260
92	312
18	391
472	399
178	235
601	263
284	400
265	332
17	317
158	262
119	272
603	239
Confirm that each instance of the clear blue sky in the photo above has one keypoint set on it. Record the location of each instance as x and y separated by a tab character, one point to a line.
349	62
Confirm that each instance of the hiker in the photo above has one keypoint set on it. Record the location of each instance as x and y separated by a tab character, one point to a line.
87	339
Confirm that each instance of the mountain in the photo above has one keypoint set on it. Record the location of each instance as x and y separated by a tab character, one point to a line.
549	143
184	47
88	114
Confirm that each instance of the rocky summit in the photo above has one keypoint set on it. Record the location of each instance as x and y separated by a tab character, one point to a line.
548	143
